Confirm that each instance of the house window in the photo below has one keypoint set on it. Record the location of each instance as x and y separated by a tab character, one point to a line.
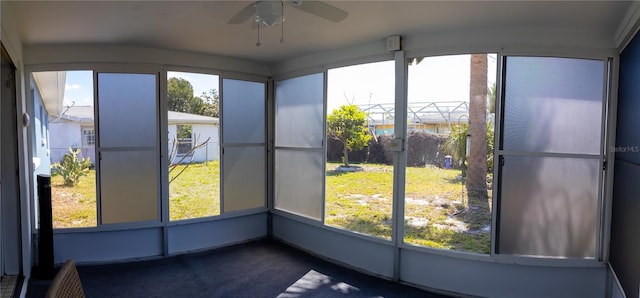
88	137
184	144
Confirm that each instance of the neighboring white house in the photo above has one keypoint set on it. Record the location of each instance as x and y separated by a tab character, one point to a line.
204	132
74	128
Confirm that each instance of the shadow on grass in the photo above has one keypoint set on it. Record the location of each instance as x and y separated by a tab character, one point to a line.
374	226
336	173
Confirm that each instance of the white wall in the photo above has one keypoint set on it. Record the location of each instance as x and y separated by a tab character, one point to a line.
209	152
79	53
467	276
40	129
62	135
12	43
517	40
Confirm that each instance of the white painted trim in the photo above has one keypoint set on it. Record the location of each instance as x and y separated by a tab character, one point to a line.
99	53
538	41
628	27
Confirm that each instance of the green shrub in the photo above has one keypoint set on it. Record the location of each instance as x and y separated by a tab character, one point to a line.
71	168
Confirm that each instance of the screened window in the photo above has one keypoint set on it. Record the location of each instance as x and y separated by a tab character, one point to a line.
89	137
244	162
184	139
129	157
551	157
299	148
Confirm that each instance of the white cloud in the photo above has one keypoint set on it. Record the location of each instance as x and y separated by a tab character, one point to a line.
71	86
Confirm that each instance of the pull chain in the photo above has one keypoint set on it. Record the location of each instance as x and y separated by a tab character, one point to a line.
282	25
258	43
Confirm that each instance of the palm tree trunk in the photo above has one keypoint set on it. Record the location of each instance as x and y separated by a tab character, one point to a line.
477	170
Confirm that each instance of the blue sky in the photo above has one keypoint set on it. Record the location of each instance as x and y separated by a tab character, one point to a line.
200	82
443	78
79	88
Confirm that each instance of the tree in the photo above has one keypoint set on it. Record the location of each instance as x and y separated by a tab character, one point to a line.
212	103
456	145
491	98
179	95
477	168
347	124
180	99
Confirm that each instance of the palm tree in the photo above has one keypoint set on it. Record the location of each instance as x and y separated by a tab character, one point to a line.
456	145
491	98
477	161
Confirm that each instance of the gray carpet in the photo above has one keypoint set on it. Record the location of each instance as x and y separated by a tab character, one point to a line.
263	268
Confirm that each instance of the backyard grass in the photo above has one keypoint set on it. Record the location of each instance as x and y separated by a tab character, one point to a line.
74	207
195	193
437	212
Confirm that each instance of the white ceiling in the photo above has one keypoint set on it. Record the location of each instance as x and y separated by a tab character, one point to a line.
202	26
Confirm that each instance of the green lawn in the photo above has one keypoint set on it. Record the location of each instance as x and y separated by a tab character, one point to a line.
74	207
195	193
437	212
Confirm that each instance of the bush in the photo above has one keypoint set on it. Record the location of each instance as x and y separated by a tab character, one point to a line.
71	168
424	148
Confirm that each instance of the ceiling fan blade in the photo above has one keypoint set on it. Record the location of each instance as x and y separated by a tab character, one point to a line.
243	15
321	9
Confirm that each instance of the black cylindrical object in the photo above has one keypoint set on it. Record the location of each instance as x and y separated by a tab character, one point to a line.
45	234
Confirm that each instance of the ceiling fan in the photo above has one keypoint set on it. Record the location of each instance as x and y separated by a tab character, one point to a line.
271	12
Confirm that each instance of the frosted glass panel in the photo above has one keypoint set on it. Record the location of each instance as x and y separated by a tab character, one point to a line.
549	206
244	178
128	110
299	112
299	182
553	105
243	109
129	186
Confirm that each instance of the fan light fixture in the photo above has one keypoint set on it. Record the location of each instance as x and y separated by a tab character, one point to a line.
269	13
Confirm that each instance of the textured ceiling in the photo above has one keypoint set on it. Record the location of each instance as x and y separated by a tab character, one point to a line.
202	26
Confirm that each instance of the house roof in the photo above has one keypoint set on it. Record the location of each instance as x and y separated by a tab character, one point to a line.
51	85
84	114
186	118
